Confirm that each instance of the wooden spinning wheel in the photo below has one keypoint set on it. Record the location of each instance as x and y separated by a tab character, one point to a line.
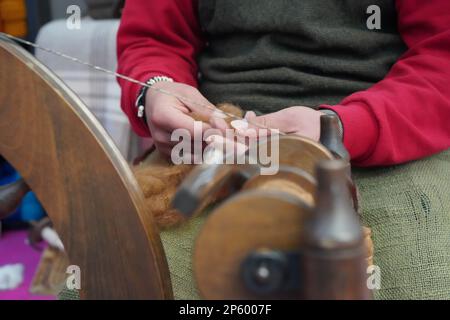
87	188
98	209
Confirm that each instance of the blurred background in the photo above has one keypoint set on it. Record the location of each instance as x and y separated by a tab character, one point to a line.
32	259
25	17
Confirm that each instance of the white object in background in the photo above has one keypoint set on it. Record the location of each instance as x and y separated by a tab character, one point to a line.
52	238
11	276
95	42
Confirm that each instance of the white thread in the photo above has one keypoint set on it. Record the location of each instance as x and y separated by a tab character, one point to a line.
129	79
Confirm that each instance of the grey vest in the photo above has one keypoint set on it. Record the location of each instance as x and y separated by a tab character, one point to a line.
269	54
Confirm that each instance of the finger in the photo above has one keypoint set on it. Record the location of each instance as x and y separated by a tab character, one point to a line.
182	108
251	132
270	124
170	119
162	137
211	132
240	124
199	104
256	126
250	115
218	123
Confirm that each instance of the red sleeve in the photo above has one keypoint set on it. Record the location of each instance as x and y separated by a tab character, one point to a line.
156	38
406	116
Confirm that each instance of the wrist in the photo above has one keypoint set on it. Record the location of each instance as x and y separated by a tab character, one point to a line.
142	95
360	129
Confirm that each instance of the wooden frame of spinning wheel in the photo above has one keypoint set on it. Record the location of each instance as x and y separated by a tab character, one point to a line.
86	187
90	194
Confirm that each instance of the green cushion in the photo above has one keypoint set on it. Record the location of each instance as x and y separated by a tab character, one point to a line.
408	209
179	246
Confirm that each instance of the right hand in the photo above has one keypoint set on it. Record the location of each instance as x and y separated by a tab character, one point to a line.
166	113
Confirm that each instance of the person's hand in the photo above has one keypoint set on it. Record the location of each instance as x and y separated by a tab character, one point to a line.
301	121
166	113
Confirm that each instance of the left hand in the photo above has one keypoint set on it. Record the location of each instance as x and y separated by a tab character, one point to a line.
297	120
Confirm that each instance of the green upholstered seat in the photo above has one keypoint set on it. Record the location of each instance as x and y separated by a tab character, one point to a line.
408	208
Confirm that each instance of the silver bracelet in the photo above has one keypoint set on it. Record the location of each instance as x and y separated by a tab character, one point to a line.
140	101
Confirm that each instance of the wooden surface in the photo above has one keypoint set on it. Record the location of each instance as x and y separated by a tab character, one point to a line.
300	152
289	180
269	213
11	196
50	276
252	220
86	187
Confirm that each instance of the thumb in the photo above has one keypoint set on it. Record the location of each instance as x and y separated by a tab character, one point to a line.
254	125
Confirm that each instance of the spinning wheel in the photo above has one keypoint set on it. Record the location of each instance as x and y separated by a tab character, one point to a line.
255	244
82	181
98	209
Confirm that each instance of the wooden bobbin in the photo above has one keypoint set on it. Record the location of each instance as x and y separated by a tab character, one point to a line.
268	212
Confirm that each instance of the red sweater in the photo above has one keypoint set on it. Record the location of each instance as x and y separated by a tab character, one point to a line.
404	117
